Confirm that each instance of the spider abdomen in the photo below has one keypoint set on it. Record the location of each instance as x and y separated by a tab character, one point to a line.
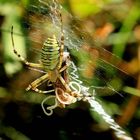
50	54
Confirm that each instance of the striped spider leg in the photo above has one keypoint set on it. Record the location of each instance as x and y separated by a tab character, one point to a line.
51	60
52	57
38	81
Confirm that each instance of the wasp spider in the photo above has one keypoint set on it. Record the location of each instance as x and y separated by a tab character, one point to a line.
54	61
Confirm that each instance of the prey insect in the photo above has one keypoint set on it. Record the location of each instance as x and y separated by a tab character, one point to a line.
54	62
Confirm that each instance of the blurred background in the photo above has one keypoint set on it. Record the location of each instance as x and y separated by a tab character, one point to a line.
103	39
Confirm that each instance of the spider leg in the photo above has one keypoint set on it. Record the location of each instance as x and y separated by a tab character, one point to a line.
64	84
36	69
35	65
37	83
63	68
61	43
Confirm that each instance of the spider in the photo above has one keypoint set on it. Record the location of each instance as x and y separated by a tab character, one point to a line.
54	62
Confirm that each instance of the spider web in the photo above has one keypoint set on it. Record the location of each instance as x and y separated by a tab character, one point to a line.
41	20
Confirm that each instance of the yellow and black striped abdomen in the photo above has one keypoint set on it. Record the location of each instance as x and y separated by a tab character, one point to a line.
50	54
